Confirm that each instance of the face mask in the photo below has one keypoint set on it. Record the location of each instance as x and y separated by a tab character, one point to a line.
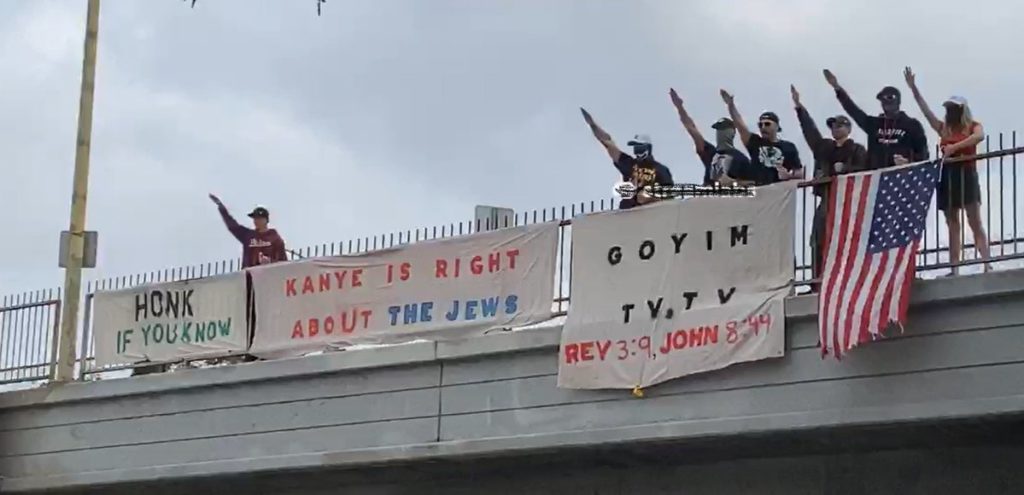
724	138
642	151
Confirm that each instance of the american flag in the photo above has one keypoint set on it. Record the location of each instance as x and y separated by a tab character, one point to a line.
874	222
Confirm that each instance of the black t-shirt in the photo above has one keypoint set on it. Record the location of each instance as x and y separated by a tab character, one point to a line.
730	161
766	155
641	173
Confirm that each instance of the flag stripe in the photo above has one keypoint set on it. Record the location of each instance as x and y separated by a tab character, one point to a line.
874	223
835	253
836	196
833	200
851	288
899	284
878	306
885	316
854	260
879	264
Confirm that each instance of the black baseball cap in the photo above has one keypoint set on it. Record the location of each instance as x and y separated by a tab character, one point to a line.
769	116
724	123
259	212
889	93
840	119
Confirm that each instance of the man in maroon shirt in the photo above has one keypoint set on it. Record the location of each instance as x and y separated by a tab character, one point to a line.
260	245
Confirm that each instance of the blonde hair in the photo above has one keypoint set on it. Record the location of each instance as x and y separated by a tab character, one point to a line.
966	122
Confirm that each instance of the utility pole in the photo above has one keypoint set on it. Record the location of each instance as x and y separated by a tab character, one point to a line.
67	355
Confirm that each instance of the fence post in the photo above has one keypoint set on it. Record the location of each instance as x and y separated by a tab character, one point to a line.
54	338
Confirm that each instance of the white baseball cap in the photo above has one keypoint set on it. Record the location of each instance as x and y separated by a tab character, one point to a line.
640	139
959	101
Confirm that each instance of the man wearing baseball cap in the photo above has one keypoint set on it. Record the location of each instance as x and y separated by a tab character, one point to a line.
832	156
261	245
894	138
723	163
641	169
774	159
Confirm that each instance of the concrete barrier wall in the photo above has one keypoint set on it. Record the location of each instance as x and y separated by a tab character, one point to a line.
959	358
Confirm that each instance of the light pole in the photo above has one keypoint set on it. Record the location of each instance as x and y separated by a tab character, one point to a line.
66	355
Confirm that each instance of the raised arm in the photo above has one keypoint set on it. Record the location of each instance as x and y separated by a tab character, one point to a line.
934	121
236	230
811	133
858	115
602	137
737	119
688	123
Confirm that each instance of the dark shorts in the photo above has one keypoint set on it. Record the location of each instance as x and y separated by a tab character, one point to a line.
958	187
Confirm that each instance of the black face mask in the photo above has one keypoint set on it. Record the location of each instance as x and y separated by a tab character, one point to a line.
642	151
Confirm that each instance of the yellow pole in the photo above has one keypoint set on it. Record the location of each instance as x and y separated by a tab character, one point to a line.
66	354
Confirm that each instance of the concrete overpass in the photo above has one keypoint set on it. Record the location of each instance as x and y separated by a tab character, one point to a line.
936	410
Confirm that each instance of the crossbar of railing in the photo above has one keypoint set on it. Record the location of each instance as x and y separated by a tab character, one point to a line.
959	159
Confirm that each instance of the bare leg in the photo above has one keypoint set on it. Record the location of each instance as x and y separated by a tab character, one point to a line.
978	229
955	232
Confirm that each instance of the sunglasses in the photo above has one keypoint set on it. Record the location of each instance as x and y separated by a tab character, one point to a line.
765	123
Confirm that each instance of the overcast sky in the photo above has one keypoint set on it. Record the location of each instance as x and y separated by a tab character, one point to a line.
393	114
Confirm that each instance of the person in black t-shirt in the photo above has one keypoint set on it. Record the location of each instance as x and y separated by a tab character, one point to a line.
775	158
723	163
641	170
894	138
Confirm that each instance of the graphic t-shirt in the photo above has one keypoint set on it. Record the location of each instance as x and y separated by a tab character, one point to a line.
718	163
641	173
767	155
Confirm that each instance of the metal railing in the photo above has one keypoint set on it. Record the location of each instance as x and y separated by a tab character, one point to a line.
1000	189
29	326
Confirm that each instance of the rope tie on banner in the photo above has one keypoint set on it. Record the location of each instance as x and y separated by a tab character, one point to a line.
638	392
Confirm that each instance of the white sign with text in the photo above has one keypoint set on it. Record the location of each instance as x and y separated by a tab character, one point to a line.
678	288
171	321
435	289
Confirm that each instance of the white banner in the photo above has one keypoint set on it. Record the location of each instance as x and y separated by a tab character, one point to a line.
677	288
434	289
171	321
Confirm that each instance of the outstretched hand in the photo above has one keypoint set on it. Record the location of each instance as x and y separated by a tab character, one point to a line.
676	100
599	133
908	74
795	94
726	97
831	79
587	117
216	200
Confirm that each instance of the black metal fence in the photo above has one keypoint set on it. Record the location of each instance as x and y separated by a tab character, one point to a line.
29	326
28	321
